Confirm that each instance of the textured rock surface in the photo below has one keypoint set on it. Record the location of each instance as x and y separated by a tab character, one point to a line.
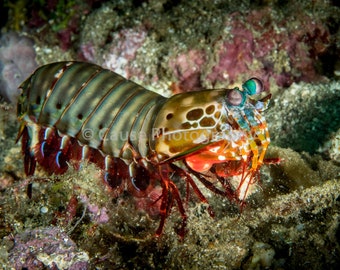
291	222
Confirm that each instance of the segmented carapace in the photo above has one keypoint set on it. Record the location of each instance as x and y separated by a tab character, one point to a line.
74	111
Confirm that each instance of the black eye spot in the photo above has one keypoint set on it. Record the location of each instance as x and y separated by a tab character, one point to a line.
100	126
80	116
58	105
169	116
38	100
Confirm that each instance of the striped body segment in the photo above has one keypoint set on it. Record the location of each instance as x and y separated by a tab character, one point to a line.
97	107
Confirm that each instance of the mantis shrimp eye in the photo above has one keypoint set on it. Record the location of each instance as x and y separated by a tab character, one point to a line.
253	86
235	97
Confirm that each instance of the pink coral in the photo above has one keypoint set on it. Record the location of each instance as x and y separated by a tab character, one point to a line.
263	46
187	68
44	248
235	56
87	52
123	49
98	214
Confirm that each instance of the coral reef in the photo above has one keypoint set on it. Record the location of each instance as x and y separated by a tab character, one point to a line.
291	222
46	247
280	46
265	44
187	69
119	54
58	19
123	49
17	62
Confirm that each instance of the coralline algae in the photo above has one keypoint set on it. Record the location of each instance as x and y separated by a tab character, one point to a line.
44	248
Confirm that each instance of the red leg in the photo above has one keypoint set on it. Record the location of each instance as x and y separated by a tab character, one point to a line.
169	194
177	197
29	159
192	183
164	205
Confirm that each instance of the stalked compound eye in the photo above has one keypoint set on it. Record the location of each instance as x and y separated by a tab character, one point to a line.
235	97
253	86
